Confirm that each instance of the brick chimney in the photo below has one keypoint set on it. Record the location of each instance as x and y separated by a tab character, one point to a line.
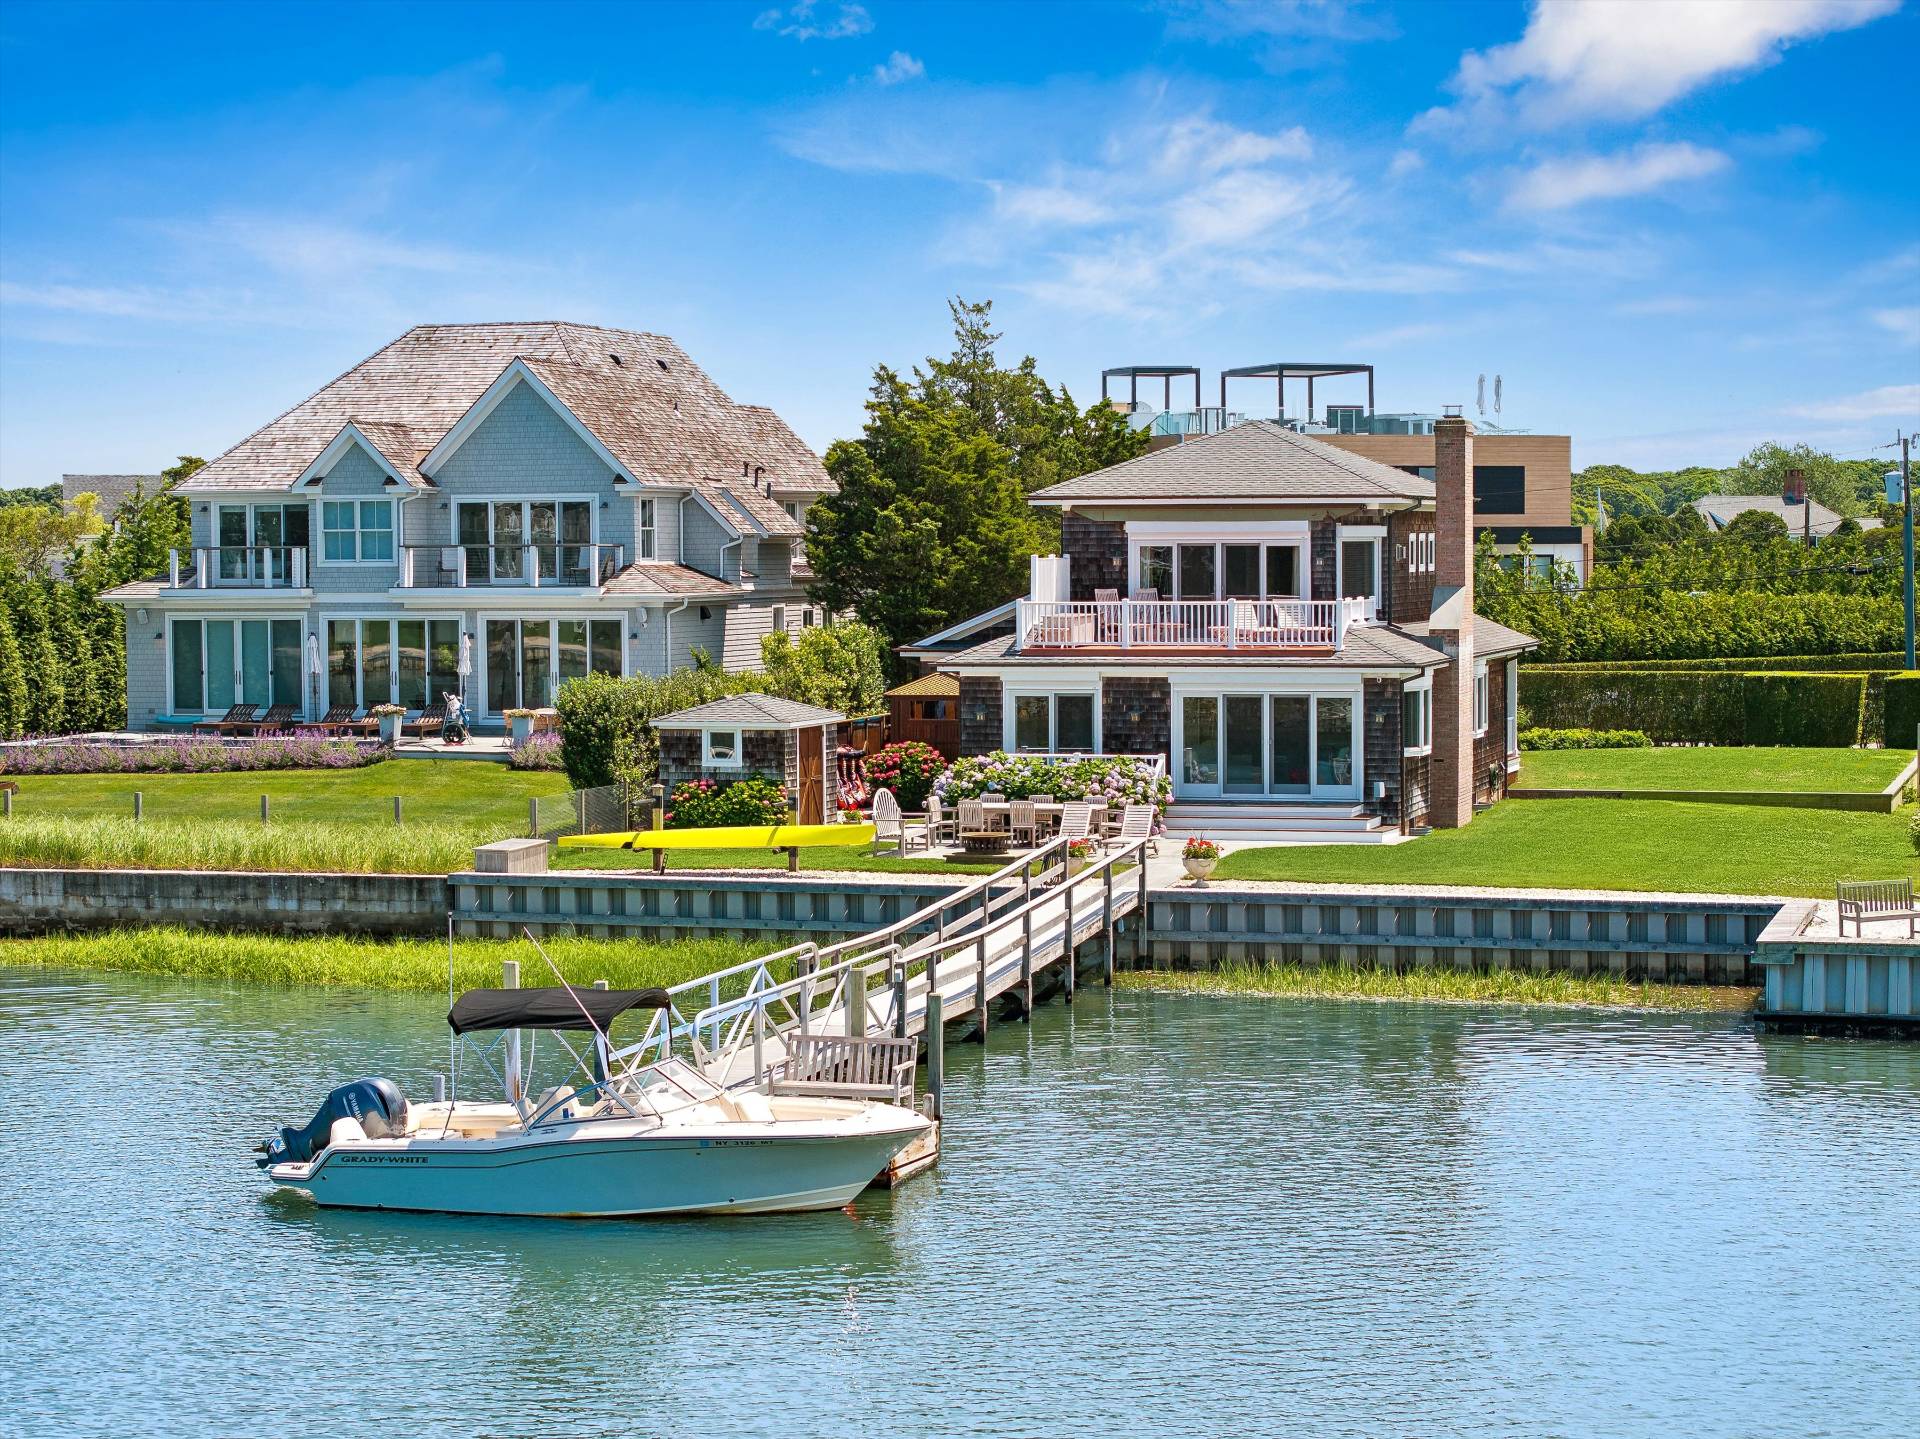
1451	625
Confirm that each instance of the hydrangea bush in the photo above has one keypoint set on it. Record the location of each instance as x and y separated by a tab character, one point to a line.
706	803
908	768
1116	780
192	755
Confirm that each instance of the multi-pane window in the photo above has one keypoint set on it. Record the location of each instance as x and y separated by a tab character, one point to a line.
243	532
413	663
528	660
1053	723
643	535
500	536
219	663
1209	569
356	531
1481	698
722	749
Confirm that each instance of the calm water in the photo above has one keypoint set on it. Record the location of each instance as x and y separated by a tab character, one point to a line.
1154	1216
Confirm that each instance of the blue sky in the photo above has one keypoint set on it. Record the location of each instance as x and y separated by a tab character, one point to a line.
1676	229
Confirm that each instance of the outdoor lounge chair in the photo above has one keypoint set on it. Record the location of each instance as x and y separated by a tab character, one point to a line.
889	825
340	720
432	720
230	722
1076	822
1136	822
277	719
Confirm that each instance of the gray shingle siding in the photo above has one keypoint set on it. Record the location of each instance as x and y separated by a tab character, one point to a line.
703	540
147	697
357	476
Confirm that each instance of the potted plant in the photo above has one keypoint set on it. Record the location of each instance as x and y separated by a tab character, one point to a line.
1199	856
1079	851
850	814
520	722
390	717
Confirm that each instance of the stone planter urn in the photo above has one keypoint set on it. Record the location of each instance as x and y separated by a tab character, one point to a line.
522	729
390	728
1199	869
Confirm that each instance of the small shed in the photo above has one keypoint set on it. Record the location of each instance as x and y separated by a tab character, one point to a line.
928	710
756	734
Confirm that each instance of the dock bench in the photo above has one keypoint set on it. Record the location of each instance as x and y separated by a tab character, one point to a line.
1873	901
844	1067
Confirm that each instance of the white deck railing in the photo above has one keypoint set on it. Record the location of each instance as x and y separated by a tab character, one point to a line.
248	567
1188	624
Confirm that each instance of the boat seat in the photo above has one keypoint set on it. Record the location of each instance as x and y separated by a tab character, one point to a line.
560	1093
751	1107
346	1130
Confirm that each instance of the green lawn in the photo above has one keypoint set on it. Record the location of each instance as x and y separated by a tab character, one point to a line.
827	857
432	791
1713	768
1616	844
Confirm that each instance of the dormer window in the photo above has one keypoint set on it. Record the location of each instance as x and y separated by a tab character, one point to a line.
356	531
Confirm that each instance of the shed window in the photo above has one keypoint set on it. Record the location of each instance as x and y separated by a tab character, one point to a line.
721	749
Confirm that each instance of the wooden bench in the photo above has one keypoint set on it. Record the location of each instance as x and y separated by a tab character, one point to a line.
1872	901
839	1066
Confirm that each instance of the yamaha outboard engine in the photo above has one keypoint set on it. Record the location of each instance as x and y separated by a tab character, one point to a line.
376	1104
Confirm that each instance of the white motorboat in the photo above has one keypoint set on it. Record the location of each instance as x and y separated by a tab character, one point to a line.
643	1135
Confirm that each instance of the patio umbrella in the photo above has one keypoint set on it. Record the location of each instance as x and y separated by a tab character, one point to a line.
313	670
465	666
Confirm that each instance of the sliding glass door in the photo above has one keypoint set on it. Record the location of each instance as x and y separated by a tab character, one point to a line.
221	663
497	534
528	660
1254	746
392	661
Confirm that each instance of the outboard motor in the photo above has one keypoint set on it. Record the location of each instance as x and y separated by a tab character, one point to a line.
377	1104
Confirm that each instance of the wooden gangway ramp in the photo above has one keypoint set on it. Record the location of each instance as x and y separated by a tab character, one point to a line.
1017	934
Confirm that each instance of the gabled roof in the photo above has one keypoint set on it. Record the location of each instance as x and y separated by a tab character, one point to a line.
1720	510
111	490
1258	460
750	711
933	686
653	577
397	448
656	412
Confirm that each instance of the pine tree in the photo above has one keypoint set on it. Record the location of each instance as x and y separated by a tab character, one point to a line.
13	680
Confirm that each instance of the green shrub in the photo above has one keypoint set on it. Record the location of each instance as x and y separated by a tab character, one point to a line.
908	768
750	800
1902	722
1113	779
606	724
1607	625
1542	739
1803	709
1752	664
1913	831
841	666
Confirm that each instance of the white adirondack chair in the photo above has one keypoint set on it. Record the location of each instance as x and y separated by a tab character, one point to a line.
1076	822
887	825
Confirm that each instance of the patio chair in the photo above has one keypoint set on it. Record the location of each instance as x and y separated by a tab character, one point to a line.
1023	822
1136	822
1076	822
340	720
942	828
432	720
973	823
890	826
229	722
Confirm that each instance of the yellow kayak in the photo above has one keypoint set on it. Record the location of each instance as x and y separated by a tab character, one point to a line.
752	836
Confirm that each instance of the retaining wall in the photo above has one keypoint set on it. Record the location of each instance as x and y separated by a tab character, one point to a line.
33	901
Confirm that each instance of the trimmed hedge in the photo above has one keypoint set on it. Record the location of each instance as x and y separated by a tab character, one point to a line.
1753	664
1546	739
1700	706
1902	691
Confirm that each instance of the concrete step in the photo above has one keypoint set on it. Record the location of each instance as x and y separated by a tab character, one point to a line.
1232	821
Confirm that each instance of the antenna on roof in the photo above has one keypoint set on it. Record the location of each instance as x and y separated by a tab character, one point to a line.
1480	397
1496	394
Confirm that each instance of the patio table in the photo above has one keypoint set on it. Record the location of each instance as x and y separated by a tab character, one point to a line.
1001	813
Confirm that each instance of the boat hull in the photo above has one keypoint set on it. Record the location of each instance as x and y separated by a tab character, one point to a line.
582	1177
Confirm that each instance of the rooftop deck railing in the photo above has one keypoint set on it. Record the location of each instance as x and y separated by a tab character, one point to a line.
1269	624
255	567
536	566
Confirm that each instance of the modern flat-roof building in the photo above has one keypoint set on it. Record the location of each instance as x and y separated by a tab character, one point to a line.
1522	482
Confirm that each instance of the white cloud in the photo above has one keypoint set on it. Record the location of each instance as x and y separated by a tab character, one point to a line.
899	66
1887	400
1058	204
798	22
1242	207
1404	163
1199	144
1576	179
1903	324
1624	59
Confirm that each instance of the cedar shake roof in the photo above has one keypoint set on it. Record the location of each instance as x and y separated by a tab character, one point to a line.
650	577
750	711
1258	460
640	395
933	686
111	490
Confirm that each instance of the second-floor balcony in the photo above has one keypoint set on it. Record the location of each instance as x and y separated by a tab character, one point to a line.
1285	624
245	567
537	566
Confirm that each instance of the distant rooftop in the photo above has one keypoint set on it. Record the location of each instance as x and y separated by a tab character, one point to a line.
111	490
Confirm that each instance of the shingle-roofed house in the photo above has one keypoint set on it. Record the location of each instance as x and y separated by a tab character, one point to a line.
1289	624
553	498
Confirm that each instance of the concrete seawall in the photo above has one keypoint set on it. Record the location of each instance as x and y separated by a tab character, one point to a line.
35	901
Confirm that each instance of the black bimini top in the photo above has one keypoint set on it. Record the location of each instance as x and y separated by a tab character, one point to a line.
549	1008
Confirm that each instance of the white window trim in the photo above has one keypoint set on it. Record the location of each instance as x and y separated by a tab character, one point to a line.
1311	688
1295	534
1377	535
479	677
1513	715
709	760
646	524
1423	686
1482	699
1050	693
319	551
362	618
168	620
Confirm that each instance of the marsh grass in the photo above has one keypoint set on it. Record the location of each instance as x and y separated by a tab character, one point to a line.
348	847
1292	981
374	963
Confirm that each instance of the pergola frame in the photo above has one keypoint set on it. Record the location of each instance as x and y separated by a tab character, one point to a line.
1166	374
1282	371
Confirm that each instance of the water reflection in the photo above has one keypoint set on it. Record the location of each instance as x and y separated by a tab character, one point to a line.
1154	1216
